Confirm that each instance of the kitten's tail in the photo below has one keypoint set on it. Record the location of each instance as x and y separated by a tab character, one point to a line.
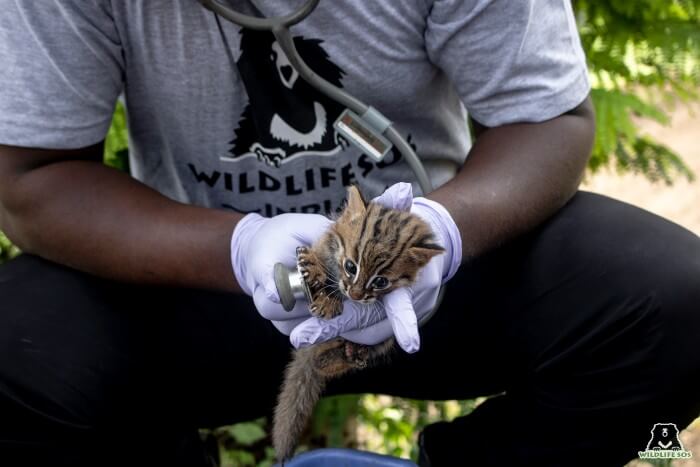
301	390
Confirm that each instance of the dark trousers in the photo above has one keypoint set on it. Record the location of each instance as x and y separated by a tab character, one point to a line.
589	328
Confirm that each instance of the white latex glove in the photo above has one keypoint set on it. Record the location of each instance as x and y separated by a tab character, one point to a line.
405	307
257	244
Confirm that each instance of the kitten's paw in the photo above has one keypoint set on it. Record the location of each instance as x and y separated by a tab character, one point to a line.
324	300
357	354
338	356
325	305
330	360
310	268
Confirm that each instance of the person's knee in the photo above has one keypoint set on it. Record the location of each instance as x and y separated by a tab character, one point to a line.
49	386
66	348
634	254
633	299
677	288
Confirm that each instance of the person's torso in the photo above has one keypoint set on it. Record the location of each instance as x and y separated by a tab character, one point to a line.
218	118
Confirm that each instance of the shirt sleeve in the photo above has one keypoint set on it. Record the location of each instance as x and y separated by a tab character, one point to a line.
61	69
510	60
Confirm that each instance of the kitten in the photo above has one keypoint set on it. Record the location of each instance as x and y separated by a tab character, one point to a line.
368	252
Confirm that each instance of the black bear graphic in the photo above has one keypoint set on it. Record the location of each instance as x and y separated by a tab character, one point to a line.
664	436
285	116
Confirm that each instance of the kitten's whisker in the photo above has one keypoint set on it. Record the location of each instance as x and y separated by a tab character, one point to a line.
331	282
326	287
364	320
331	278
370	314
326	269
366	315
379	308
376	313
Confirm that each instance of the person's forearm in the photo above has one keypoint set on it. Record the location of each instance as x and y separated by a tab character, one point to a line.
110	225
516	176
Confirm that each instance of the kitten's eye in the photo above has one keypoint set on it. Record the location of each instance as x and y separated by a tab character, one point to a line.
350	267
380	283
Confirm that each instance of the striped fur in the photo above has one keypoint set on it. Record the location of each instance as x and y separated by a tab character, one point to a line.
381	243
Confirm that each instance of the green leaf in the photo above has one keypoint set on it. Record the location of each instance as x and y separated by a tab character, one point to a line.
116	150
7	249
247	433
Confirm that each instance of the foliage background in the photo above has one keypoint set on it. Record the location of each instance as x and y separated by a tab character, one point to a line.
641	55
644	59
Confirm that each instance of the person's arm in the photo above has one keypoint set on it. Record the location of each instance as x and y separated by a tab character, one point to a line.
67	207
516	176
63	70
521	72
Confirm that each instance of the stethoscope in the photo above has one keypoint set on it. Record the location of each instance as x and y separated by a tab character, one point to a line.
361	124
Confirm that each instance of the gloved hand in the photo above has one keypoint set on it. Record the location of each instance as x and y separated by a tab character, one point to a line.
404	308
257	244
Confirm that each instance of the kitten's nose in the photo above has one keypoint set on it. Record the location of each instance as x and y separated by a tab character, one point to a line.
356	294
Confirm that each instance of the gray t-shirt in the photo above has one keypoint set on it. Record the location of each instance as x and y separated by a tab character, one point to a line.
218	118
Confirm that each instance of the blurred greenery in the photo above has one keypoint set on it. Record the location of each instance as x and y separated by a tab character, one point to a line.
644	58
117	142
7	249
244	444
382	424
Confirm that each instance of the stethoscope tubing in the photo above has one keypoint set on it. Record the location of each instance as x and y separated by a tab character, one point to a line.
261	24
279	26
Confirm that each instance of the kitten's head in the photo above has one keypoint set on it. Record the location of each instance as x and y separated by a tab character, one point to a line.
379	249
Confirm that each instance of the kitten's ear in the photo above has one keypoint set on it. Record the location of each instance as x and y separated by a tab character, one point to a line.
356	205
424	252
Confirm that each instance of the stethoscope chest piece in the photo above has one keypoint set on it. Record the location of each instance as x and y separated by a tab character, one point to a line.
360	124
291	286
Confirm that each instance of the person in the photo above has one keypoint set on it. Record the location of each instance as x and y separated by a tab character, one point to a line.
127	324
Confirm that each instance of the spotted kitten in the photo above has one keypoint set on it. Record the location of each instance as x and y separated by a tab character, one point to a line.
368	252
